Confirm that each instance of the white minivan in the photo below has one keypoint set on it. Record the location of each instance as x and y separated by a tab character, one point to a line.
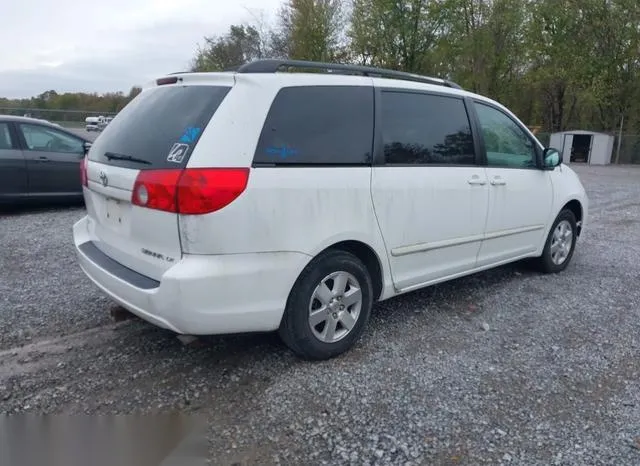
262	200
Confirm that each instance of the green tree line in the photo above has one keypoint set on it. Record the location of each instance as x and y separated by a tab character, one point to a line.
68	106
558	64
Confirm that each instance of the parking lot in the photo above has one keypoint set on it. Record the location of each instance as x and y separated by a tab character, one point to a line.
90	135
507	366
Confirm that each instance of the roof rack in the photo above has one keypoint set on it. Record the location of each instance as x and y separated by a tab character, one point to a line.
272	66
227	70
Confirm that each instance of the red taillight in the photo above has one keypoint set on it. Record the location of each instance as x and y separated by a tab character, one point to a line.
190	191
156	189
204	190
83	172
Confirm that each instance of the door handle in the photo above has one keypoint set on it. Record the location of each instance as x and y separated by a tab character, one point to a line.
42	158
476	181
498	182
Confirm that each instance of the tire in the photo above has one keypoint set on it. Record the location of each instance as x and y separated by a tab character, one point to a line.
343	313
549	261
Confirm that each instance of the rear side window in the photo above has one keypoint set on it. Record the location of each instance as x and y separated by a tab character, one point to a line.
425	129
159	128
318	125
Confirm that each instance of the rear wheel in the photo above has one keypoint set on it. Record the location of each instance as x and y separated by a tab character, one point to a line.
328	307
561	242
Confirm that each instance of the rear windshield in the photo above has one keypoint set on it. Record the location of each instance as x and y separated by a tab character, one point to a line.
159	128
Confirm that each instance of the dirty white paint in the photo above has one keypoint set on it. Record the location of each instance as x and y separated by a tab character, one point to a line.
236	267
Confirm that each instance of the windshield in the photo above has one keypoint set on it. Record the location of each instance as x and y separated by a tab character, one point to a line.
161	127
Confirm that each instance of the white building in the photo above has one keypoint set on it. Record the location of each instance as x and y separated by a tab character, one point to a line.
583	147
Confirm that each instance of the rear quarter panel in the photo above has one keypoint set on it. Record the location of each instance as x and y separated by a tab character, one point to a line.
283	209
303	210
288	209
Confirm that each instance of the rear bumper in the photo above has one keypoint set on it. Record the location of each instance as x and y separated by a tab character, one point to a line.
199	295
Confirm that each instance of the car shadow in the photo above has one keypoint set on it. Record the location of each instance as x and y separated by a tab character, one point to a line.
453	297
464	289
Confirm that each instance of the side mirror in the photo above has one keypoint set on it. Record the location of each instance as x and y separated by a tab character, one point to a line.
551	158
87	146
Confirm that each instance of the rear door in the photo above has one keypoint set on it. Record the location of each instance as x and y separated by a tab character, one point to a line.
429	193
158	130
13	166
53	160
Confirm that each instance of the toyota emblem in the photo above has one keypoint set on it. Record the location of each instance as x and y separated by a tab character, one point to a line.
103	179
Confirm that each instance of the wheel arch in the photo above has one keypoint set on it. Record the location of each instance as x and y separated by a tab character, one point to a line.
294	333
369	258
575	206
366	254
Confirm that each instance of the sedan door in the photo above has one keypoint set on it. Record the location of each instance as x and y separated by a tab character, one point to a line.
53	160
13	166
520	193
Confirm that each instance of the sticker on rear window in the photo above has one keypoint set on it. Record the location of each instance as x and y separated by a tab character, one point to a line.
177	152
190	134
282	152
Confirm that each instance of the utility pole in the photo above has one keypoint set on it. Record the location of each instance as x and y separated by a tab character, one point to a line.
619	139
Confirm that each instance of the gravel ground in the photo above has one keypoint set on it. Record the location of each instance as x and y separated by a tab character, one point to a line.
504	367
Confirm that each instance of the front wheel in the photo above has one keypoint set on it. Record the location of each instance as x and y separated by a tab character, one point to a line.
561	242
328	307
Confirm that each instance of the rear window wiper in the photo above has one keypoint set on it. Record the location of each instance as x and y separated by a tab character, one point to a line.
114	156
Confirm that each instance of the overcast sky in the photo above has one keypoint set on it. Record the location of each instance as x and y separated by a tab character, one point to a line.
107	45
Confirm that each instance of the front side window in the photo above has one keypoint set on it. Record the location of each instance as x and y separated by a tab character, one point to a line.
426	129
318	125
42	138
506	143
5	137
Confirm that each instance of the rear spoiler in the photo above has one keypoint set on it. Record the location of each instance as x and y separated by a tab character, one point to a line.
225	78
